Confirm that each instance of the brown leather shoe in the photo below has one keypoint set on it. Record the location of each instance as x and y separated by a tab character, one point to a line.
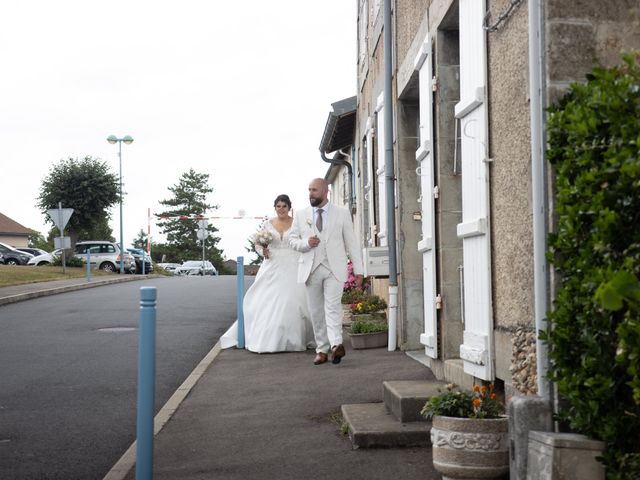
321	358
337	353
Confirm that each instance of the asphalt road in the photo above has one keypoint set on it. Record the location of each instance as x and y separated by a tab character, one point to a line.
68	376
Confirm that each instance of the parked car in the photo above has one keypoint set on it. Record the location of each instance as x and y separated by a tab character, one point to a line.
104	255
169	267
46	258
196	267
139	256
33	251
13	256
1	259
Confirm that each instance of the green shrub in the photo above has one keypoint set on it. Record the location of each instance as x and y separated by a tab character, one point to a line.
70	261
369	326
594	340
353	296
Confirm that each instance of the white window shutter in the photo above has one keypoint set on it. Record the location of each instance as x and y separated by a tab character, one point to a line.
380	176
477	348
425	171
368	188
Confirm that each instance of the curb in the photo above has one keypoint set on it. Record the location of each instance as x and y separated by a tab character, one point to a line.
123	466
67	288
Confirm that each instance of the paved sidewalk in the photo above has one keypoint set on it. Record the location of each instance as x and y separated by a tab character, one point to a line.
277	416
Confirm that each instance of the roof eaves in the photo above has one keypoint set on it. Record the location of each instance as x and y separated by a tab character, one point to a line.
340	126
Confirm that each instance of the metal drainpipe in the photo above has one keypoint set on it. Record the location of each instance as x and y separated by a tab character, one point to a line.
538	184
349	170
389	176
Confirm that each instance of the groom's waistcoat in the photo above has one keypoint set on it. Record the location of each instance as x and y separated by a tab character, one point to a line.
320	253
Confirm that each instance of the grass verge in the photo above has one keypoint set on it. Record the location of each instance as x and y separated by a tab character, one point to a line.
20	274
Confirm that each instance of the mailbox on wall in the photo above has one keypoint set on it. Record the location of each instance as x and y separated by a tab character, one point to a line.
376	261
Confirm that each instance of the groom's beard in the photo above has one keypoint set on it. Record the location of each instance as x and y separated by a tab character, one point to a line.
315	201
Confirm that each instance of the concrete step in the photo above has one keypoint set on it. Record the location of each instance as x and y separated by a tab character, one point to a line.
405	398
371	425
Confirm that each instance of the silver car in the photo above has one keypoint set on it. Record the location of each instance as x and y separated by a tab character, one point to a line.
104	255
196	267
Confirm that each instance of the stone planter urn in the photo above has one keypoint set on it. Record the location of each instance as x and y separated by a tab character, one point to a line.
470	448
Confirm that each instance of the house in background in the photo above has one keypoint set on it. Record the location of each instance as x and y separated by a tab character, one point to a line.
12	233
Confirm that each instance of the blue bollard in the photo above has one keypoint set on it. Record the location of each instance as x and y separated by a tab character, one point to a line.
239	299
146	383
88	264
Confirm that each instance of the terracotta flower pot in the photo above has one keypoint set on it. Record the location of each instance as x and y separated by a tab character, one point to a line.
469	448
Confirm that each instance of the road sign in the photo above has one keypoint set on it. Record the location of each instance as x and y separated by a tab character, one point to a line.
62	242
202	234
203	224
60	216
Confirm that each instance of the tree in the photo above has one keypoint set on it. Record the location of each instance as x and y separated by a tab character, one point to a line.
89	187
180	220
141	240
37	240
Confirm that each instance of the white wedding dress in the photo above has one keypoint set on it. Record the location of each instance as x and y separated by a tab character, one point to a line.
276	316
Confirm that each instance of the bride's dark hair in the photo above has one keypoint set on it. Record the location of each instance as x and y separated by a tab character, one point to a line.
282	198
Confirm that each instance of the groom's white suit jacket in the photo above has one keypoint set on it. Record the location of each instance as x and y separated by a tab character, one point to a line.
339	237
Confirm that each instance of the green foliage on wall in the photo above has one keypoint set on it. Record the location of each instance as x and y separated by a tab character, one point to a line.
594	341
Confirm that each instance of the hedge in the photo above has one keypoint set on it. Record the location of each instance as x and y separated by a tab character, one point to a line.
594	335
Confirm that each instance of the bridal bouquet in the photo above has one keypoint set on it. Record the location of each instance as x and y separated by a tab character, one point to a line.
262	237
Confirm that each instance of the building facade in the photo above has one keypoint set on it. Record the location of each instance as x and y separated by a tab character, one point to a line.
462	163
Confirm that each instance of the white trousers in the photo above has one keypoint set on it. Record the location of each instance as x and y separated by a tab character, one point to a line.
324	295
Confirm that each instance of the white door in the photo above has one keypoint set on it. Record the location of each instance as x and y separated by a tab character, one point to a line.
424	157
477	348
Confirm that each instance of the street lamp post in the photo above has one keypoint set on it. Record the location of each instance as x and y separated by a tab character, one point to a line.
128	140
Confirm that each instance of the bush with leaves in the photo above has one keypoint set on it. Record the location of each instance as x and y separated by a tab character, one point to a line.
70	261
353	296
369	326
594	339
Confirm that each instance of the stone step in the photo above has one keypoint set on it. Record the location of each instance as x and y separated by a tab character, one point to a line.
405	398
371	425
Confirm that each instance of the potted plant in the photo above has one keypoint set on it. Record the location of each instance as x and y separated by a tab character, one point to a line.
352	293
469	433
369	328
370	306
368	333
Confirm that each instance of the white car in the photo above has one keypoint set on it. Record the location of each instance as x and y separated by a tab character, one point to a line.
196	267
46	258
169	267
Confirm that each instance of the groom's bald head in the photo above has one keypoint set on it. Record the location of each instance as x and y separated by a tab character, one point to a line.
318	191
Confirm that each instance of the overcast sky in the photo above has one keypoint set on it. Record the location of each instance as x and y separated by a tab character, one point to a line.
238	90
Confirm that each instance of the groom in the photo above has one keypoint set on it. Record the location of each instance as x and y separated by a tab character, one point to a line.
324	234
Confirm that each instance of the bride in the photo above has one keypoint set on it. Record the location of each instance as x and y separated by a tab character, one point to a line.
276	317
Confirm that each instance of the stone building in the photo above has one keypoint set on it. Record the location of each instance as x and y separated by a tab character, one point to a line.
472	193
